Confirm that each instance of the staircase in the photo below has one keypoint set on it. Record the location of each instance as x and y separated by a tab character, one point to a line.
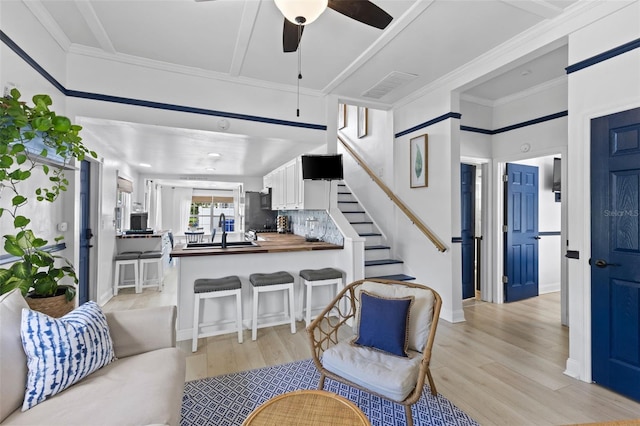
378	262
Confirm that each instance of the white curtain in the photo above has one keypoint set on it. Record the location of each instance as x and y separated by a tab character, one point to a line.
157	206
176	204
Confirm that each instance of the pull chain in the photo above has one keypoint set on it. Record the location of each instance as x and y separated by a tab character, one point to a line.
299	68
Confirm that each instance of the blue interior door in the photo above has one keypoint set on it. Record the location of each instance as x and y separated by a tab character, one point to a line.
467	227
85	232
615	252
521	233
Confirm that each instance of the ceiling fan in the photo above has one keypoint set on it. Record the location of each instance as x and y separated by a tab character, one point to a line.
299	13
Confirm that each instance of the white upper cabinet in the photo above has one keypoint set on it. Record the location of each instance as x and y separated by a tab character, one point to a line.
290	192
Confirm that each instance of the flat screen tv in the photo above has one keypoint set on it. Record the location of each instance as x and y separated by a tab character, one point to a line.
322	167
139	221
556	175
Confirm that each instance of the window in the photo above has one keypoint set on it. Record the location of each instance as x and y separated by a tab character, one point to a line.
205	211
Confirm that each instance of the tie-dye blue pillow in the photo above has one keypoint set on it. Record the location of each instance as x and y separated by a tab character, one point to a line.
62	351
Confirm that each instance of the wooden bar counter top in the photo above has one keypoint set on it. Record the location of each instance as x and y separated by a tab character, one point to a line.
267	243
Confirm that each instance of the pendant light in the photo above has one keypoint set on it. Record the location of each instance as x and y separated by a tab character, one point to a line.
301	12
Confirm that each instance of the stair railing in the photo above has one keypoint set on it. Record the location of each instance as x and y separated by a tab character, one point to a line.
398	202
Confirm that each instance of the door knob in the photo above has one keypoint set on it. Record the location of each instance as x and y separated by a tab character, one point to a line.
536	237
600	263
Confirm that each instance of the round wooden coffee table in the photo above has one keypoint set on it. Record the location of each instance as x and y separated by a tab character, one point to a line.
307	407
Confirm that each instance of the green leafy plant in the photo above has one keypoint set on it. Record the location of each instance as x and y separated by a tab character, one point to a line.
29	135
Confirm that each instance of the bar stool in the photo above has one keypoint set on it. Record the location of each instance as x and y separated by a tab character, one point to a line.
151	258
277	281
208	288
122	260
316	278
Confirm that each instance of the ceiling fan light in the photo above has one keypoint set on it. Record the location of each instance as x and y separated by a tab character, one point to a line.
310	10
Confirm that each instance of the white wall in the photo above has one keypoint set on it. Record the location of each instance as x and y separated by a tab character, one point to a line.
438	205
376	149
601	89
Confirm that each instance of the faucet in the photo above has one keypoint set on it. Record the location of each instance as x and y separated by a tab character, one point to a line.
221	224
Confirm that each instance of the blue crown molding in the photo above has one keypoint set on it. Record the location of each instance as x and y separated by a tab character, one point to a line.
143	103
431	122
586	63
517	125
476	130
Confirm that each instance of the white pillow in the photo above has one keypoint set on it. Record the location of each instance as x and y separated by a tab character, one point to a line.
62	351
421	310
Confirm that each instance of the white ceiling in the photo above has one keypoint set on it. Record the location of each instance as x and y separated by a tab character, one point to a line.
242	40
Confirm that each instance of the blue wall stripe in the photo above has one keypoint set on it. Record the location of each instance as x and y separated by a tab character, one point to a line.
429	123
8	258
603	56
29	60
148	104
476	130
531	122
515	126
549	233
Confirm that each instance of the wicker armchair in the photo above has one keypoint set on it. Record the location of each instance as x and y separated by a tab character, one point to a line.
391	377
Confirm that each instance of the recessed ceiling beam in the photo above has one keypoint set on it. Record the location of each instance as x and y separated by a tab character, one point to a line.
93	22
247	23
537	7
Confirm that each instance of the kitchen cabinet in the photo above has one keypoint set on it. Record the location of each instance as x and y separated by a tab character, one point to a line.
290	192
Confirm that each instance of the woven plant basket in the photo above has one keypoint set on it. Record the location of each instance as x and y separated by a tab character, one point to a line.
54	306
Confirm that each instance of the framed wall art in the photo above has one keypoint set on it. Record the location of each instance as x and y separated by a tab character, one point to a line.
342	116
419	161
363	124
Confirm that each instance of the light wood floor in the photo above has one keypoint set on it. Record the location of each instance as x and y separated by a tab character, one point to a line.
503	366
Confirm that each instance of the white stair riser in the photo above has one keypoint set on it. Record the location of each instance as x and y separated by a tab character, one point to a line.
364	227
380	270
377	254
373	240
346	197
355	217
349	207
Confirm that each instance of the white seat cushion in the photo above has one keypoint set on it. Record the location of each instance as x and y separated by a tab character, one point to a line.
145	389
391	376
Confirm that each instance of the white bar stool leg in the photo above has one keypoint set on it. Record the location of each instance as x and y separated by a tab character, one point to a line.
196	322
291	310
239	315
254	325
308	288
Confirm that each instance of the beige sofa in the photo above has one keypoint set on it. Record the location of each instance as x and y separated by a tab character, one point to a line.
143	386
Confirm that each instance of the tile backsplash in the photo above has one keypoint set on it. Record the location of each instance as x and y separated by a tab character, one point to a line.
327	229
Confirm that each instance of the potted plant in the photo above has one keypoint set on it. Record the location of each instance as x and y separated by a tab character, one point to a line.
34	140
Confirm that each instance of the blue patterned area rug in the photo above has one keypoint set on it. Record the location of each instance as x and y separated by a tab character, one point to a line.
227	400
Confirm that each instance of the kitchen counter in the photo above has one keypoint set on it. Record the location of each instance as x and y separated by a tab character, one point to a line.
272	253
156	234
267	243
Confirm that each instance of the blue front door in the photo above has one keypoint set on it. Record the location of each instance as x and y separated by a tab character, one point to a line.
615	252
85	232
467	227
521	233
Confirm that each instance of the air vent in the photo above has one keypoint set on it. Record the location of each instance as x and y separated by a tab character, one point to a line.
391	82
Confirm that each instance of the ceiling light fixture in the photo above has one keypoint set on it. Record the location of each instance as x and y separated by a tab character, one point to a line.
213	154
302	12
144	165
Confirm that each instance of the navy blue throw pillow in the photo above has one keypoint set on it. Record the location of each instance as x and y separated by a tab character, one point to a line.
384	323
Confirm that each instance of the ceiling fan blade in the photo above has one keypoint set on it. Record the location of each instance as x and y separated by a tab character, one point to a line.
363	11
290	36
